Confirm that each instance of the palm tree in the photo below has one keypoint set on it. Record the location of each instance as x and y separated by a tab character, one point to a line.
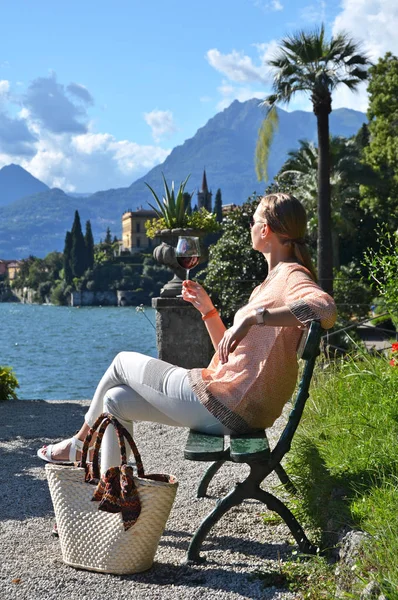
309	63
347	174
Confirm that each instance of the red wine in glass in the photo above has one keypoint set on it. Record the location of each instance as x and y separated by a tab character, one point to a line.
188	252
188	262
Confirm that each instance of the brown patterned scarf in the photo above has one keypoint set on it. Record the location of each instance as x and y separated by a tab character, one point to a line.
116	492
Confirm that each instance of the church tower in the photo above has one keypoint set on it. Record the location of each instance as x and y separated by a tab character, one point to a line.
204	196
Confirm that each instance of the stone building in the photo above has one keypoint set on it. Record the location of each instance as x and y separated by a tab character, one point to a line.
134	238
9	268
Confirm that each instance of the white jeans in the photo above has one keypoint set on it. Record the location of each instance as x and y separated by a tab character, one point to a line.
140	388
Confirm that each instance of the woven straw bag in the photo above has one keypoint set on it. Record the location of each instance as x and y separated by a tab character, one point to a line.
109	542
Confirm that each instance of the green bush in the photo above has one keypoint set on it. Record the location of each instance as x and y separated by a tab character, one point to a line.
383	269
60	293
352	295
8	384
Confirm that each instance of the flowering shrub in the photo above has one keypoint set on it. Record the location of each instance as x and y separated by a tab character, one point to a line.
8	384
394	355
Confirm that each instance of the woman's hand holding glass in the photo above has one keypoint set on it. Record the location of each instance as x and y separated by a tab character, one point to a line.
195	294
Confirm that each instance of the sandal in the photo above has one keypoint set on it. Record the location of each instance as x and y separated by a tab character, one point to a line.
75	446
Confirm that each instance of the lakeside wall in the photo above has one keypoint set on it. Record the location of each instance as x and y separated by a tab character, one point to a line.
80	298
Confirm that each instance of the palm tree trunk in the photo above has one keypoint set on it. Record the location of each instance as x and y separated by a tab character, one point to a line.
325	248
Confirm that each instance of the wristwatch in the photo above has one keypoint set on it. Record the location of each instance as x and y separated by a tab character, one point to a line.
260	314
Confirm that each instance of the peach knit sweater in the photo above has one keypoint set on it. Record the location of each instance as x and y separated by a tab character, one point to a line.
249	391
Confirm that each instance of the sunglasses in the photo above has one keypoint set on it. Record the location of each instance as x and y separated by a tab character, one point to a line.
253	222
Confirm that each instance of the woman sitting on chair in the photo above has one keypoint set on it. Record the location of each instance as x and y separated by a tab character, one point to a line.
254	369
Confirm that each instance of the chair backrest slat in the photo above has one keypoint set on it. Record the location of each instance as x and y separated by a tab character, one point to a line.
309	349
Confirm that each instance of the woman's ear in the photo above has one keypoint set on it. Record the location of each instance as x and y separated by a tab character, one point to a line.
265	230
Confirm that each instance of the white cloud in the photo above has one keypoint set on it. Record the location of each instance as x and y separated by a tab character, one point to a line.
272	5
4	87
237	66
53	138
161	122
88	143
373	23
240	72
49	105
91	161
81	92
229	93
314	13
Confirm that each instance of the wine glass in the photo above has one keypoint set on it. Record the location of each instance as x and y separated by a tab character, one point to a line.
188	252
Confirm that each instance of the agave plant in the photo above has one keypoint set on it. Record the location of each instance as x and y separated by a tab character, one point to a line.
172	208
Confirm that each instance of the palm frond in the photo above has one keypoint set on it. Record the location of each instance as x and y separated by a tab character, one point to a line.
264	141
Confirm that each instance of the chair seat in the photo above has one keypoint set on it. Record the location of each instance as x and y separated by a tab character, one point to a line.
250	447
201	446
243	448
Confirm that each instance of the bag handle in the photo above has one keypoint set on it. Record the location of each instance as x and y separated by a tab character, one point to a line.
103	421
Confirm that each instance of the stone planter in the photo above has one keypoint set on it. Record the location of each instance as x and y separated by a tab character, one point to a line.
181	335
165	255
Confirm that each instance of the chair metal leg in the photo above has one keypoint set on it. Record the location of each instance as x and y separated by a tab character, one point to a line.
232	499
273	503
285	479
249	488
207	477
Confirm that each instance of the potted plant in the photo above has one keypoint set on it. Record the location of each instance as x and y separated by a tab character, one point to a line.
173	218
173	215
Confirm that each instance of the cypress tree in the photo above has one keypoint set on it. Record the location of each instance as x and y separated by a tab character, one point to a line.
218	206
108	236
187	203
89	243
68	275
78	253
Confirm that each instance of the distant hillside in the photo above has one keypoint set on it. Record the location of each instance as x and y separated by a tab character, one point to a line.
225	146
37	225
16	182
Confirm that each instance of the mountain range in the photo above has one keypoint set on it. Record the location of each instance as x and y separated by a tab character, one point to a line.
34	219
16	183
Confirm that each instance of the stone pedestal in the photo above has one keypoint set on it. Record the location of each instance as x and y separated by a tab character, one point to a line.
181	335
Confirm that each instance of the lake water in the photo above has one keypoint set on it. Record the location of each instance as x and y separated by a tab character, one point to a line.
62	352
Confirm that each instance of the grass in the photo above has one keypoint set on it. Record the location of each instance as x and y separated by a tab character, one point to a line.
312	578
344	461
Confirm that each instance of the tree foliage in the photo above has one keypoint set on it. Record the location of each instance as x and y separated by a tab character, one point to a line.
308	62
78	251
8	384
383	268
108	236
381	154
89	244
68	275
217	210
351	225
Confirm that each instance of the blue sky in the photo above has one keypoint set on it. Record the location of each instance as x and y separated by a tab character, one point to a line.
94	94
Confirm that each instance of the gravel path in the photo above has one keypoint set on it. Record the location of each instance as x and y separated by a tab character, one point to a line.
239	546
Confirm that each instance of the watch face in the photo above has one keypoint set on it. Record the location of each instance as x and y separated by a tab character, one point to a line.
260	315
